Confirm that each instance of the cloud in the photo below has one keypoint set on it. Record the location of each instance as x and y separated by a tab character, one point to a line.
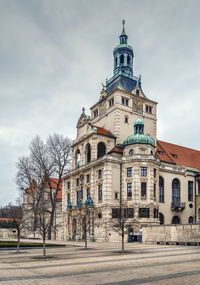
55	55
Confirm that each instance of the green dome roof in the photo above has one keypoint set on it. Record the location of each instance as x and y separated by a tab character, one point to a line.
139	136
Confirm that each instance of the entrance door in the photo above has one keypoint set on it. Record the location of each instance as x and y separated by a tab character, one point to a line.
74	229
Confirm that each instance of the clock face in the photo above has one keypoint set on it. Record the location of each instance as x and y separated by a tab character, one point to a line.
102	105
137	106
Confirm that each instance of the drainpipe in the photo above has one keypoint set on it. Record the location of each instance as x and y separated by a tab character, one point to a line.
195	190
120	189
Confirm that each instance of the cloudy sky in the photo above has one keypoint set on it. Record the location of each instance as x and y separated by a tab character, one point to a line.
54	55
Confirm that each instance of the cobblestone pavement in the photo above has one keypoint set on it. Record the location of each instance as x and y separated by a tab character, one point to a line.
102	263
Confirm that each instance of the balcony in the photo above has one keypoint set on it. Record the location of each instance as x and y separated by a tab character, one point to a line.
178	206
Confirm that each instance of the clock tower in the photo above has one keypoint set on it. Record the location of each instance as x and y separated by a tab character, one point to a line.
122	99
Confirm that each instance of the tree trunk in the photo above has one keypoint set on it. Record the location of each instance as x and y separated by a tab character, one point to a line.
18	239
122	240
51	220
85	237
44	247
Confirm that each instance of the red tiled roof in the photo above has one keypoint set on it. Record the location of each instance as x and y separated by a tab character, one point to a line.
179	155
9	219
102	131
116	149
54	182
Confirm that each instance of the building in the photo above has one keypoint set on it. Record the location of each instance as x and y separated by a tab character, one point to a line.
117	161
33	202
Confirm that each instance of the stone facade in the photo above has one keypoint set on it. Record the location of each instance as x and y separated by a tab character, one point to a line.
171	234
116	163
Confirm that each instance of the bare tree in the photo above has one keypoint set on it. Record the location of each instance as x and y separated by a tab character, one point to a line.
34	177
120	216
14	215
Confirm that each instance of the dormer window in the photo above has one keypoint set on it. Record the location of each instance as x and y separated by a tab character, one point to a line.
137	92
174	155
161	152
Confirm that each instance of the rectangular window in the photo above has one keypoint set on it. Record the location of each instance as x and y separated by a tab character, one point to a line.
77	197
100	192
88	193
88	178
81	193
68	184
149	109
143	189
154	190
99	173
96	113
77	181
154	173
190	191
115	213
68	197
199	187
116	195
129	172
144	212
111	102
126	102
129	190
123	101
143	171
155	213
130	213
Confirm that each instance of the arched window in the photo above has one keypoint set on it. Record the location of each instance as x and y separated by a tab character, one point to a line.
161	190
116	62
101	149
77	158
126	119
88	153
175	220
128	60
191	220
175	193
131	151
122	58
137	92
161	218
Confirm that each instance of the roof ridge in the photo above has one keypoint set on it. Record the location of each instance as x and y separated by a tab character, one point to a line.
178	145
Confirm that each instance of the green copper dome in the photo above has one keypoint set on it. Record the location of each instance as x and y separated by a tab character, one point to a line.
139	136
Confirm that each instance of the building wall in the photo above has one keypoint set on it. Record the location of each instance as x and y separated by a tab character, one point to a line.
114	116
171	233
170	172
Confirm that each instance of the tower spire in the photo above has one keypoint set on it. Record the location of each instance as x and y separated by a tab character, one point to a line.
123	23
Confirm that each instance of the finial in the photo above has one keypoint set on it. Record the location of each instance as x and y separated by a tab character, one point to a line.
103	85
123	23
139	82
83	110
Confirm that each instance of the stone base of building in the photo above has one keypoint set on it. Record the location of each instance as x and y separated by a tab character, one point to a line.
171	234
